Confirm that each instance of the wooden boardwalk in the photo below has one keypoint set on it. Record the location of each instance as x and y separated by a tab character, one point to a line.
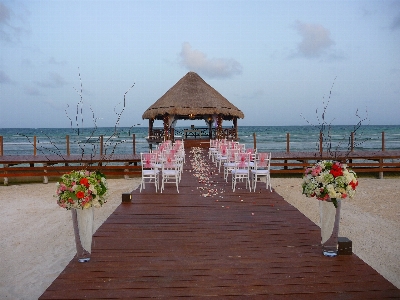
210	243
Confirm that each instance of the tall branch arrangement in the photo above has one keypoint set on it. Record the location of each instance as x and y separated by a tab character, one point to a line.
325	129
76	123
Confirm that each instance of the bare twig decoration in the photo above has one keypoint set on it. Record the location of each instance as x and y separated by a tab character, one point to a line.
76	124
325	130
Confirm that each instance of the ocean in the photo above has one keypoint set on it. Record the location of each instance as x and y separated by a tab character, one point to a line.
19	141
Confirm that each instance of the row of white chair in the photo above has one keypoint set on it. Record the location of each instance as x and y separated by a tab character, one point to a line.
243	164
166	161
251	171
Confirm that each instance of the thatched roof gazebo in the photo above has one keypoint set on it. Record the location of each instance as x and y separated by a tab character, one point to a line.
191	98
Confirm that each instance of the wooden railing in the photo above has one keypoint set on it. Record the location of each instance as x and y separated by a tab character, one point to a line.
67	143
46	167
361	161
379	162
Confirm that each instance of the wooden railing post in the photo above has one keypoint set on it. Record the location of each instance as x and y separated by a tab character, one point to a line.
381	167
320	142
45	178
5	180
101	145
287	142
34	145
1	145
67	142
381	160
254	141
134	143
287	148
352	141
126	176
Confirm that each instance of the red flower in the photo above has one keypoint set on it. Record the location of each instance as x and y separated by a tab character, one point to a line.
336	170
84	181
80	194
354	184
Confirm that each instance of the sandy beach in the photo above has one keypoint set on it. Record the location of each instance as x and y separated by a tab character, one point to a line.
37	237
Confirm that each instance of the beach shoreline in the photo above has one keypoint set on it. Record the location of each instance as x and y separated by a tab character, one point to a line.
37	239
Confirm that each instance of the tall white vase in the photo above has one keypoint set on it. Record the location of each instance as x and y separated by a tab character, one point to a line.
330	219
82	220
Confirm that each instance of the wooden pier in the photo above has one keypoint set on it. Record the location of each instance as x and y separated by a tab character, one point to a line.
210	243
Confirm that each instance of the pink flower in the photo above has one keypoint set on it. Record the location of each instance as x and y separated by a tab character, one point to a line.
315	172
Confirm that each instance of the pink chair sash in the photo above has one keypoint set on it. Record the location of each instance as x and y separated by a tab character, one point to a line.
147	160
243	160
262	160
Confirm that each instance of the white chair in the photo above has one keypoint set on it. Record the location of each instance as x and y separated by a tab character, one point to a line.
170	172
241	147
253	153
179	160
241	170
212	150
261	170
230	163
221	156
150	170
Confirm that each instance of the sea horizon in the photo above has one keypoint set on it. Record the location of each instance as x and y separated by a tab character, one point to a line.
19	141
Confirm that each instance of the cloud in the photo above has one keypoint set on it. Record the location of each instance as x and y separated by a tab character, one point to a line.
55	81
315	39
396	23
4	14
53	61
197	61
8	31
31	91
4	78
4	20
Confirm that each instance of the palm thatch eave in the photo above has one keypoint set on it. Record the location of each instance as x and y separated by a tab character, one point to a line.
192	96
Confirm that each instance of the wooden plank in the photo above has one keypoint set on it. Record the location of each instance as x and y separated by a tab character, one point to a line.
226	246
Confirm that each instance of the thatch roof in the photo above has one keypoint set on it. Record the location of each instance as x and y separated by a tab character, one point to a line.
191	95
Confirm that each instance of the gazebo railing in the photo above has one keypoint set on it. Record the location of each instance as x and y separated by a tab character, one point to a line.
157	135
193	132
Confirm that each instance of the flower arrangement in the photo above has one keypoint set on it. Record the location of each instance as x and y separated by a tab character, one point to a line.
81	189
329	180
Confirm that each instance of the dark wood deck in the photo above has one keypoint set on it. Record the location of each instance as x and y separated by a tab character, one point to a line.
223	246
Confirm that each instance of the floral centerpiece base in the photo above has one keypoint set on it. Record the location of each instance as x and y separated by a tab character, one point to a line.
80	191
330	182
82	220
329	219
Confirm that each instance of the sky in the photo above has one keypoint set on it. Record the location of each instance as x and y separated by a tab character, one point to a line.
282	62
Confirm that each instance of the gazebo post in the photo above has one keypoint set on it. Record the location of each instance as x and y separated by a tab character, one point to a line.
236	127
209	122
166	127
151	121
219	127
